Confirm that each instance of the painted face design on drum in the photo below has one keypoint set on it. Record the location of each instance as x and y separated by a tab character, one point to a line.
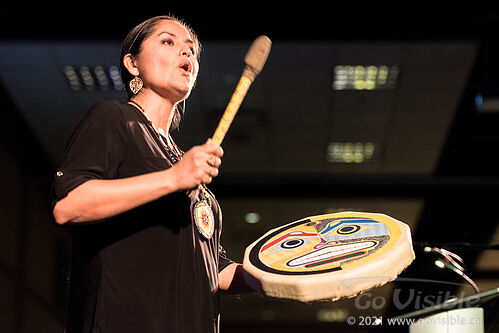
314	246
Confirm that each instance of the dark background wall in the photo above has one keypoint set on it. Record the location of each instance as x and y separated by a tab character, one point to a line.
436	168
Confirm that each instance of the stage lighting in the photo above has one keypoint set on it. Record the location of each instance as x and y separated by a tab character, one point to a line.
439	263
350	152
88	78
359	77
252	218
72	78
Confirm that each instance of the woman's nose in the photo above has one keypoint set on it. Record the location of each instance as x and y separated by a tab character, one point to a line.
186	51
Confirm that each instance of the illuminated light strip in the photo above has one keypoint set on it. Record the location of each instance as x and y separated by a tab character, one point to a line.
358	77
351	152
93	78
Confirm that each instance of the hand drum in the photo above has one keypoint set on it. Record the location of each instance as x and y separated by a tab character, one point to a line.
329	256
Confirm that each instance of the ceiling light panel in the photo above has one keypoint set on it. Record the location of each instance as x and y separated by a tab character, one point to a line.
359	77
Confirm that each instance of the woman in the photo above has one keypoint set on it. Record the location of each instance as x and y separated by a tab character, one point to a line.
147	254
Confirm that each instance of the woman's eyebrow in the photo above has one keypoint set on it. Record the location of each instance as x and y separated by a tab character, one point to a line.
189	41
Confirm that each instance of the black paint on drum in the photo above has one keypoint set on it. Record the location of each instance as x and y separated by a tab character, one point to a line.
255	261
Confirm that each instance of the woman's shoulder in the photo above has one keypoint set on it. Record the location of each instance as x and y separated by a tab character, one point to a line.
109	112
107	108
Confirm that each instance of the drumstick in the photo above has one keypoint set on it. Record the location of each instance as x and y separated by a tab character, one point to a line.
254	60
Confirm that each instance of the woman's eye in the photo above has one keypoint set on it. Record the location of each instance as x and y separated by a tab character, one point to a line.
167	42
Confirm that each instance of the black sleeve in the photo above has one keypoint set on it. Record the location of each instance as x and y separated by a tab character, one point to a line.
223	261
94	151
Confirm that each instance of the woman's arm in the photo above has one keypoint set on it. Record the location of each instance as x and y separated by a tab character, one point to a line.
233	279
98	198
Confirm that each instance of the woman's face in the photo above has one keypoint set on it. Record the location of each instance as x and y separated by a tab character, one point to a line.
168	62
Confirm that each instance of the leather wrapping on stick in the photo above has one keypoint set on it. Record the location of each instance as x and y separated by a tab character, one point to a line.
256	57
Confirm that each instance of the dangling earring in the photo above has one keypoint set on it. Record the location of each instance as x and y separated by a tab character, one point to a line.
135	85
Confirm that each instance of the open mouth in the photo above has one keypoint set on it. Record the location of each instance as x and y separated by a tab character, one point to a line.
186	66
331	254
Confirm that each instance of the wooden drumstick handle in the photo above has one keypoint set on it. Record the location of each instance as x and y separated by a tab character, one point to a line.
254	60
231	110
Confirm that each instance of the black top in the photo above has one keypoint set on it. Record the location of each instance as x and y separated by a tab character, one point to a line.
148	269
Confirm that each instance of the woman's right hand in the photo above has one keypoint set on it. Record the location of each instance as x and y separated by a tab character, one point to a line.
198	166
97	199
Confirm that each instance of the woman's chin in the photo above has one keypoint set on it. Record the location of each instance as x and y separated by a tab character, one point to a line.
177	94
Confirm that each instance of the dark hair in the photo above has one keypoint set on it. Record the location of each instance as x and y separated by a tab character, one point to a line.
133	45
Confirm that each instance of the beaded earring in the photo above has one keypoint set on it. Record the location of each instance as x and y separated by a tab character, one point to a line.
135	85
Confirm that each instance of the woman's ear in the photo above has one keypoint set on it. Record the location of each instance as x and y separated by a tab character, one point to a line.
129	63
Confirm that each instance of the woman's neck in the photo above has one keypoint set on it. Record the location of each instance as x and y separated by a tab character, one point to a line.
159	110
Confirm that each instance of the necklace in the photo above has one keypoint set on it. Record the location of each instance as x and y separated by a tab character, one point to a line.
171	148
201	212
